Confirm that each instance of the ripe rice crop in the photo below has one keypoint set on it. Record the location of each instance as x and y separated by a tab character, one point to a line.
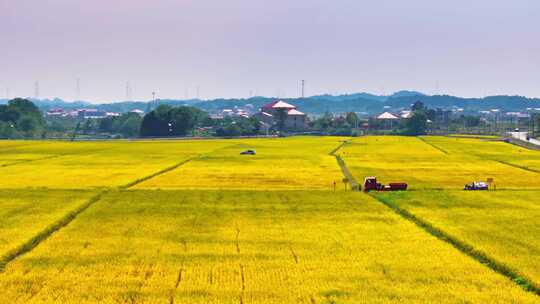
248	247
492	150
24	213
439	162
100	164
502	224
201	223
288	163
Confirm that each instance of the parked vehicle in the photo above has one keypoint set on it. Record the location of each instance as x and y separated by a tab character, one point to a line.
370	183
248	152
477	186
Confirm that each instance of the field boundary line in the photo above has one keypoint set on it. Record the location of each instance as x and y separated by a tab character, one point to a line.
432	145
160	172
344	170
464	247
50	157
30	160
168	169
514	165
336	149
44	234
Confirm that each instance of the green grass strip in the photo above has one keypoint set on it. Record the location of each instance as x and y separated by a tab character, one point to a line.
34	241
465	248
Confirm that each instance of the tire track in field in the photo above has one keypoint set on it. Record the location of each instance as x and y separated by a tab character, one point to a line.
512	165
160	172
463	247
168	169
51	157
432	145
44	234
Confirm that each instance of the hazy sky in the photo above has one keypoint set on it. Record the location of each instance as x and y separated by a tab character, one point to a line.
229	48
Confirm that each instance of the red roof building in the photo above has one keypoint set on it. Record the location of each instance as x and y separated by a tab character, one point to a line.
295	119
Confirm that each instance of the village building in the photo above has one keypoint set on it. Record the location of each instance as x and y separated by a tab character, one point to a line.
388	120
270	113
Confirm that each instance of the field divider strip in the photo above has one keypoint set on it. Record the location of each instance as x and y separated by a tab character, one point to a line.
432	145
514	165
160	172
50	157
343	166
44	234
29	160
464	247
165	170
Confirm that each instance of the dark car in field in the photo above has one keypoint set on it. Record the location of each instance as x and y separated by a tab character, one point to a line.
248	152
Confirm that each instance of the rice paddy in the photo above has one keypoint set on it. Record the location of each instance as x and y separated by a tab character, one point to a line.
196	222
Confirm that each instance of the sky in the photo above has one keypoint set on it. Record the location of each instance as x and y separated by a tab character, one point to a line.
239	48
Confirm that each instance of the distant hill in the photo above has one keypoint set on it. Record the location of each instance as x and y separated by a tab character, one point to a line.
317	105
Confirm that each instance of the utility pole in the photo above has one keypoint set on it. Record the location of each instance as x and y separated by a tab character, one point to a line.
303	87
198	92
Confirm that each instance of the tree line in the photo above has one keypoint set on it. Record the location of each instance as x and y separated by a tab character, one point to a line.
20	118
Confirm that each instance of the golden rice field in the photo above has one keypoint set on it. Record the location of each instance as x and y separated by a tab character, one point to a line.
24	214
192	221
503	224
244	247
442	163
96	164
288	163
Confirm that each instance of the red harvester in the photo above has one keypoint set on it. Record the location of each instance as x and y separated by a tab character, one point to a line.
370	183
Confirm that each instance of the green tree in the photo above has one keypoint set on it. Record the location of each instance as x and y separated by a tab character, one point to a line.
22	117
417	124
106	124
130	126
7	130
168	121
352	119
